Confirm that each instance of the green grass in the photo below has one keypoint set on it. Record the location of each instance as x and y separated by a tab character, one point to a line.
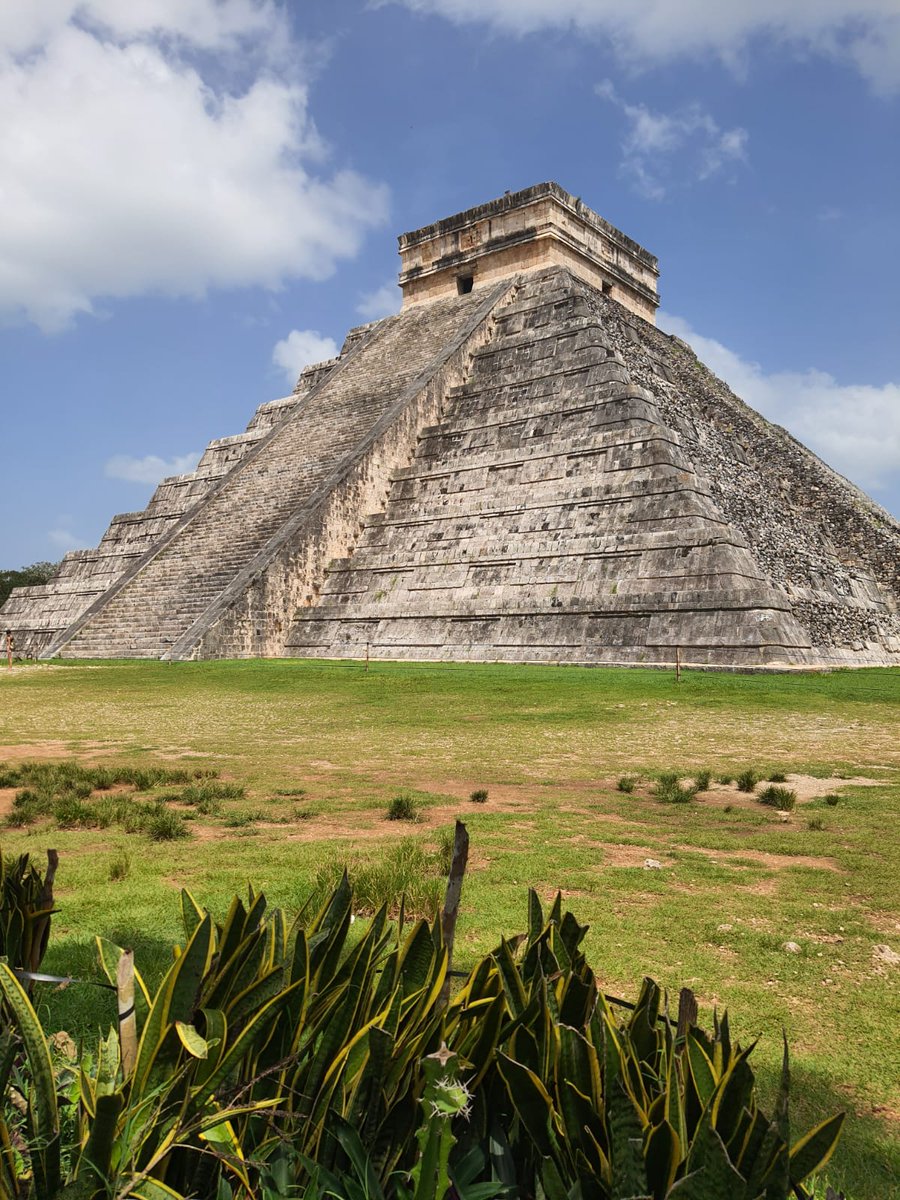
315	752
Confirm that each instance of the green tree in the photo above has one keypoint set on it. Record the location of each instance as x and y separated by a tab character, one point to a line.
38	572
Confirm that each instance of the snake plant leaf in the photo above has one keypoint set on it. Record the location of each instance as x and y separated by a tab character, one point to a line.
579	1064
416	957
196	1046
815	1148
513	986
712	1175
577	1002
701	1070
732	1096
94	1164
629	1175
535	916
532	1104
662	1156
252	1032
258	992
152	1189
174	1001
215	1025
43	1114
191	913
551	1182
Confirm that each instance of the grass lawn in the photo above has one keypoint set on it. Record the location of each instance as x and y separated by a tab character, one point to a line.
322	748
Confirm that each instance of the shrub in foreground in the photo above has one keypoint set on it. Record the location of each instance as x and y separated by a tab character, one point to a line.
747	781
268	1040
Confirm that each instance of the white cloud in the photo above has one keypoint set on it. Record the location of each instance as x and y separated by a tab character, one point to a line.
300	348
383	302
149	469
865	33
161	146
657	144
855	428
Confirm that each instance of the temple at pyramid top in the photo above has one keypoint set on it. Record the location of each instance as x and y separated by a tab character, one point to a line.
539	227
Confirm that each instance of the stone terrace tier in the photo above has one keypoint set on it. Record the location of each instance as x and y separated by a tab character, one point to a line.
226	577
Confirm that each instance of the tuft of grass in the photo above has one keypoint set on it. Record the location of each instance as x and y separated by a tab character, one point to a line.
479	796
445	840
241	819
702	780
70	812
728	808
9	776
626	783
119	867
832	800
306	814
816	824
164	825
403	808
778	797
407	873
725	780
778	777
24	813
669	789
198	794
747	780
291	792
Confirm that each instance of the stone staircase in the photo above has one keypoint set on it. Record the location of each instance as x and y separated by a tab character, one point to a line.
171	593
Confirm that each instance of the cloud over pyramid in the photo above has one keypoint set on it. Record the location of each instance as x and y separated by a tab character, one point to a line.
517	466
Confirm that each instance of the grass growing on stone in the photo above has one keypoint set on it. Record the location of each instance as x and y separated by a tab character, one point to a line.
308	757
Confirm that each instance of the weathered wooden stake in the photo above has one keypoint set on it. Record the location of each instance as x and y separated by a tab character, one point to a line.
367	658
678	664
127	1021
687	1013
451	900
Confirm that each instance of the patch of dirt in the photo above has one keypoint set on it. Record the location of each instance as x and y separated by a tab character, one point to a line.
7	796
806	787
776	862
617	855
56	749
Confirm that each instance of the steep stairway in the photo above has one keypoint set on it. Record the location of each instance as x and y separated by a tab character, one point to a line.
177	585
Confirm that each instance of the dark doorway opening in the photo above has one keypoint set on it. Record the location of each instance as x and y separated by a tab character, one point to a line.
464	284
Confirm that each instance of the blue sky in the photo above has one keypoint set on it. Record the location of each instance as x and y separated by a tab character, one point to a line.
196	197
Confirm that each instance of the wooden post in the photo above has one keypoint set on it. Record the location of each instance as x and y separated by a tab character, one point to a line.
678	664
687	1014
9	649
367	658
127	1020
451	901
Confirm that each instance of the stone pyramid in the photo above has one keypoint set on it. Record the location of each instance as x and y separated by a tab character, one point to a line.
518	466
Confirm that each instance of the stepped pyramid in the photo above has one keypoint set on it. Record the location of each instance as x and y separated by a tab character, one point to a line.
517	466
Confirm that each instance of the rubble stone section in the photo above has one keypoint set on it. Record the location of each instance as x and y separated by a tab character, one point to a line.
530	230
39	615
225	579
